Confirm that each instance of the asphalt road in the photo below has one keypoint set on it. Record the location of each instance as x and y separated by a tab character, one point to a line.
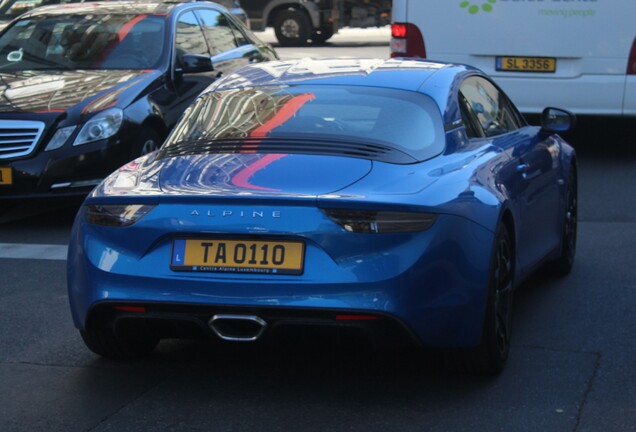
572	365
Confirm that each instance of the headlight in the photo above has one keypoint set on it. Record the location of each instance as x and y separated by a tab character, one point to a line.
101	126
381	222
116	215
60	137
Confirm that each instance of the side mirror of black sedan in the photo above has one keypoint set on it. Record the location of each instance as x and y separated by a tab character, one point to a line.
557	120
195	63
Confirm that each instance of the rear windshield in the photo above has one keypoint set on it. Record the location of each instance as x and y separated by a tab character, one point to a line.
405	121
77	41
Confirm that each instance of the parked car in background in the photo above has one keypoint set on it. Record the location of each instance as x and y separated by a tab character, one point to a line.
580	55
86	87
401	199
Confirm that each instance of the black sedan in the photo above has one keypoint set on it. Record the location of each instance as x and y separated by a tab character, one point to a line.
87	87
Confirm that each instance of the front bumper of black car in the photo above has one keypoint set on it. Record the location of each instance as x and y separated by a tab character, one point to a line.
68	171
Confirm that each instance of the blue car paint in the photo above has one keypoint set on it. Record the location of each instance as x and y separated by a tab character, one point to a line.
432	281
413	277
304	174
372	285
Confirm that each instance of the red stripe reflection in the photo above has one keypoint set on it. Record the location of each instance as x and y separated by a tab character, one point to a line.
242	178
286	112
125	29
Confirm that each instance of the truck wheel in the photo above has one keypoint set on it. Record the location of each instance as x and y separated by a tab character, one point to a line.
292	27
321	36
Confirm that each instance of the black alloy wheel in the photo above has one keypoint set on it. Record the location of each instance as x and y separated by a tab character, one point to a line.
489	358
563	265
502	280
147	142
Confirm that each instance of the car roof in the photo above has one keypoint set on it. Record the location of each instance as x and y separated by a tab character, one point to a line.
116	6
402	74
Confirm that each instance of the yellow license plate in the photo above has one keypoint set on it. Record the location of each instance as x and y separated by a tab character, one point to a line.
526	64
6	176
238	256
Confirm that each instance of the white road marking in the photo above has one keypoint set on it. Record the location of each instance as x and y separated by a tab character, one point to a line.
33	251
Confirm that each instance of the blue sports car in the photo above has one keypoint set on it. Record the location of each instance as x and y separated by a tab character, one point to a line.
401	199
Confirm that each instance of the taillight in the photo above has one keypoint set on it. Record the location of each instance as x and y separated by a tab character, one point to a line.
116	215
357	317
407	41
138	309
398	30
631	63
381	222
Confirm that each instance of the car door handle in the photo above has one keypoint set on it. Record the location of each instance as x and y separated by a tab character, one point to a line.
524	170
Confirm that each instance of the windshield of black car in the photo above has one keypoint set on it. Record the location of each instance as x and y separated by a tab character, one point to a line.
406	121
83	41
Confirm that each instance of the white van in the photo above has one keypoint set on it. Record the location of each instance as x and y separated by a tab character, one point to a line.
575	54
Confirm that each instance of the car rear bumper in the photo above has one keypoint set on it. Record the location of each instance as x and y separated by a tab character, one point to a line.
437	298
191	321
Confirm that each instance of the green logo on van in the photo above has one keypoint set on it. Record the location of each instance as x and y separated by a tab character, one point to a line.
474	8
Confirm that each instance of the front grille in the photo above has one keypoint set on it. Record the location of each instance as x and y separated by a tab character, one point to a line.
19	137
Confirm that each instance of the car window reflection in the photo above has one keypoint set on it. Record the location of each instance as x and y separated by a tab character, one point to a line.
83	42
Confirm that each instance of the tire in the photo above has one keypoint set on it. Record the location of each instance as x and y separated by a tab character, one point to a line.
562	266
489	358
321	36
292	27
104	342
147	142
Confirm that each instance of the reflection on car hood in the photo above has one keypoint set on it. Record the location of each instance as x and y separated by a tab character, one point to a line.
55	91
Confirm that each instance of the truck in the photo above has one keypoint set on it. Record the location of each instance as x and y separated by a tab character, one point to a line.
299	22
576	54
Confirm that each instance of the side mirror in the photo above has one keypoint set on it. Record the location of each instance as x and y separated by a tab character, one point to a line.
195	63
557	120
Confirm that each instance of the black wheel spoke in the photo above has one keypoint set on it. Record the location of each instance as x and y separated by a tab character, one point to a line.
503	292
491	355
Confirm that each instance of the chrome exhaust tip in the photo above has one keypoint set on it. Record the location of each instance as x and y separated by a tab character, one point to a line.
237	328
